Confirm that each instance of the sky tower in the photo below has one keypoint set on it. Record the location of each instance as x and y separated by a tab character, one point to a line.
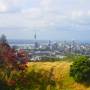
35	37
36	43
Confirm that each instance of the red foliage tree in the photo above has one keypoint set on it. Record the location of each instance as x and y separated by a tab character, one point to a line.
11	62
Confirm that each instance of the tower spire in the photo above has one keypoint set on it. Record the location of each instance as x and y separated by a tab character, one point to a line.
36	43
35	36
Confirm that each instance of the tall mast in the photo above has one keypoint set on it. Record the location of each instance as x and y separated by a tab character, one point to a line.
35	37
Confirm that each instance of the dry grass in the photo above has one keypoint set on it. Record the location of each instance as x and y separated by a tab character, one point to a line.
59	73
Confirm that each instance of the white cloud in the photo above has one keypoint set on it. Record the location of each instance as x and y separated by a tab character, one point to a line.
31	12
47	14
88	13
3	7
14	1
44	16
77	14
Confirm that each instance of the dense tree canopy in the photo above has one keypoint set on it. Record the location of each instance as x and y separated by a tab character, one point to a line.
80	69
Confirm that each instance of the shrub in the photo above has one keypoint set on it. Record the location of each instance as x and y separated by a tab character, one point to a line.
80	69
12	63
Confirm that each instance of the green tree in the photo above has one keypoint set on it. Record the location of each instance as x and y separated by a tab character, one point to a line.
80	69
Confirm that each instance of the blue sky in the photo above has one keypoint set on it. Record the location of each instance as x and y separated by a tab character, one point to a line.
50	19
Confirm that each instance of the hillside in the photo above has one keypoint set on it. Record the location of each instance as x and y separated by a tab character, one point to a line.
52	76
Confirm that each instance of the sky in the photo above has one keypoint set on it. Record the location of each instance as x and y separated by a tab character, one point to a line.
49	19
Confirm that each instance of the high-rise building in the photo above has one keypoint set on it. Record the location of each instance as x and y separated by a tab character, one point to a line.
49	45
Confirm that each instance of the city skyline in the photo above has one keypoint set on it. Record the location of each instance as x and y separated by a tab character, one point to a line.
50	19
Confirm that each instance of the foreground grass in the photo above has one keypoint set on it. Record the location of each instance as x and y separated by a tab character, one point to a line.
52	76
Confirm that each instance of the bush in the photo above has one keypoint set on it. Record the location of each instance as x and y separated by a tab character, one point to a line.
12	64
80	69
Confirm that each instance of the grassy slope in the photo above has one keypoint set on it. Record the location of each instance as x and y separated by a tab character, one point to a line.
57	72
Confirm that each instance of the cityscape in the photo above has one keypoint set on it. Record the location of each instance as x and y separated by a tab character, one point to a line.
47	49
